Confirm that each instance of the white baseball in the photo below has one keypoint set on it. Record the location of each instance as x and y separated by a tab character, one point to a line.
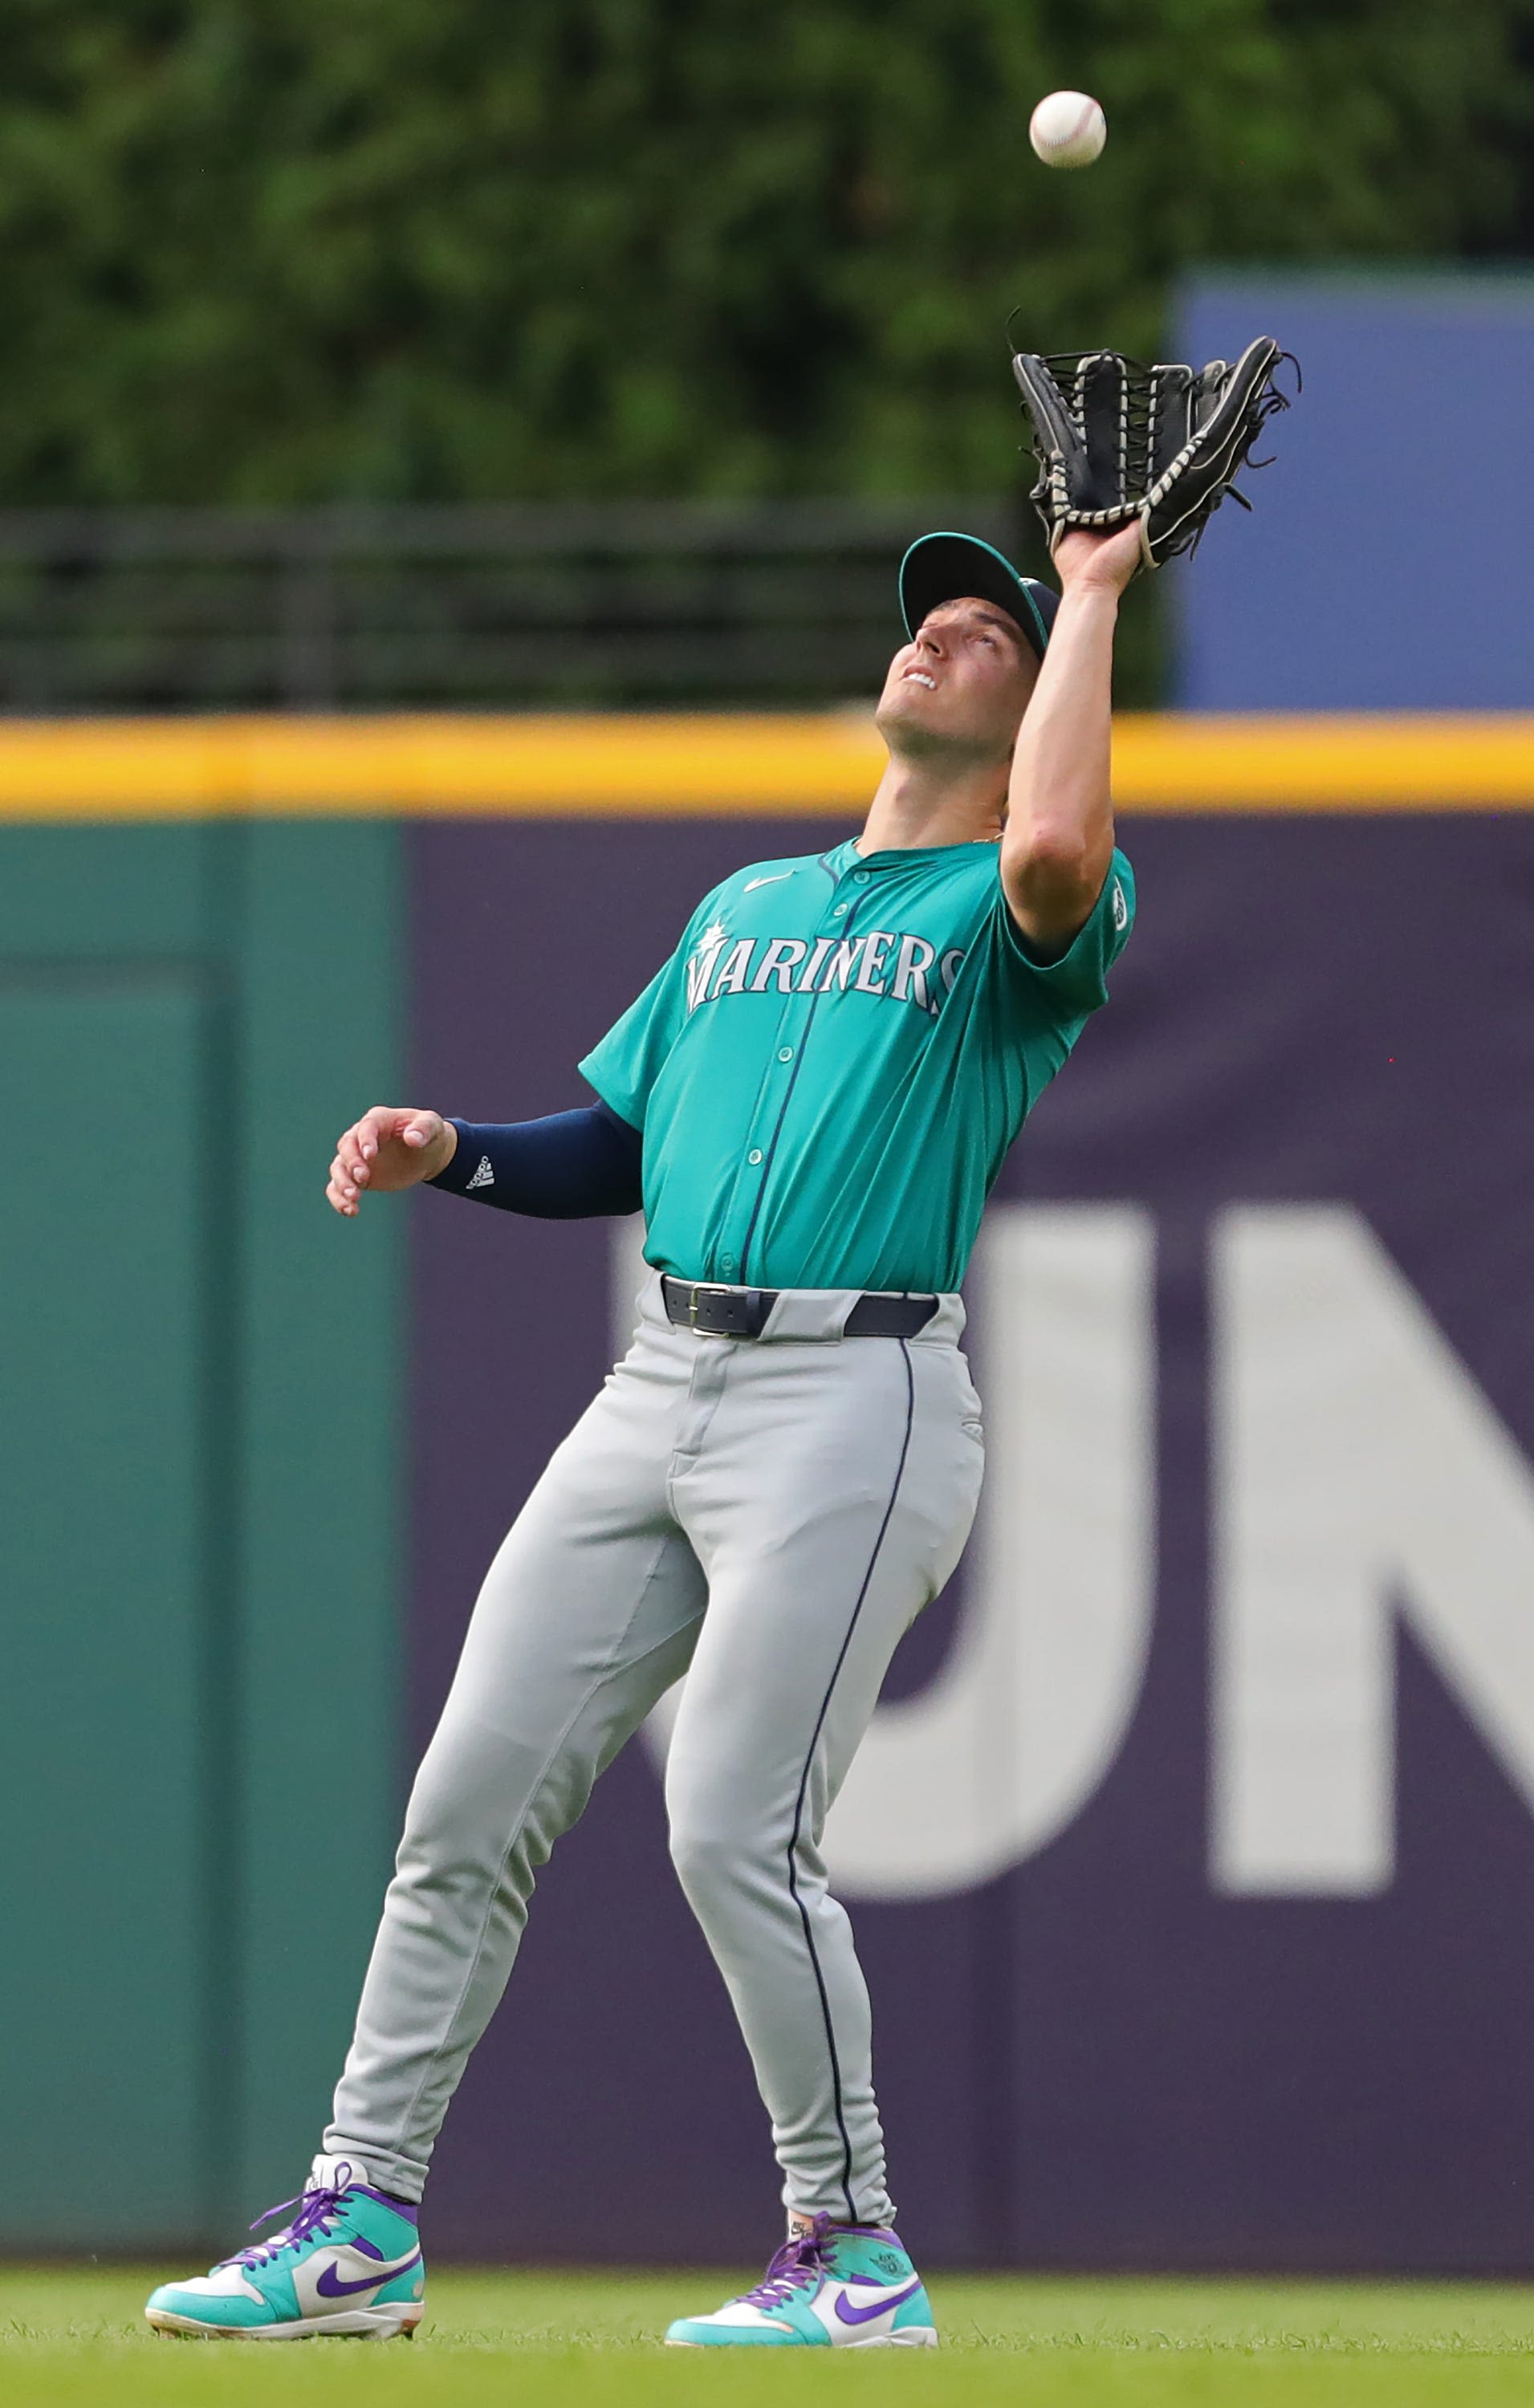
1068	129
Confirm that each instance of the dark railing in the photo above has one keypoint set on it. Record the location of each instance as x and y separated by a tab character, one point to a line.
639	605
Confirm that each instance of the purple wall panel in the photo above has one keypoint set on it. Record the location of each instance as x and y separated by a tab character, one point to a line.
1097	2060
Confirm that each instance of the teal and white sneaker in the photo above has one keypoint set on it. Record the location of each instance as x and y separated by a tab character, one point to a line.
834	2287
349	2262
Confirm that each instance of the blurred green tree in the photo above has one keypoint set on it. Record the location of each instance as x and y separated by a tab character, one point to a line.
264	251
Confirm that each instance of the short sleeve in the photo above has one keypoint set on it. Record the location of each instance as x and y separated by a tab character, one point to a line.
1077	983
625	1065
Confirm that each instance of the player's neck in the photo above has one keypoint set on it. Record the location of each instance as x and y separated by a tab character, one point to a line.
933	801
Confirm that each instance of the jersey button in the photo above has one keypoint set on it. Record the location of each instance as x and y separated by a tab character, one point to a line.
860	878
726	1262
837	910
785	1053
755	1154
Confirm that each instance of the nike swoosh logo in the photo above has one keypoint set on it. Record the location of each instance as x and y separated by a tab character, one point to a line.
330	2287
783	874
882	2306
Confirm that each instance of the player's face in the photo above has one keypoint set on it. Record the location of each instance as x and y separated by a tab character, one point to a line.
964	680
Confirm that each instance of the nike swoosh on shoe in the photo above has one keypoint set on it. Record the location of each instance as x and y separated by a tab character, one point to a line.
880	2307
330	2287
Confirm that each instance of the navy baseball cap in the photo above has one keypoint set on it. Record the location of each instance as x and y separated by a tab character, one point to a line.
943	568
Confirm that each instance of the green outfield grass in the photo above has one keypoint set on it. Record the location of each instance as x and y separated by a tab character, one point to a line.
72	2337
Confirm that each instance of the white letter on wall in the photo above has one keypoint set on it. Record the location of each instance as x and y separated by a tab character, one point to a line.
1358	1471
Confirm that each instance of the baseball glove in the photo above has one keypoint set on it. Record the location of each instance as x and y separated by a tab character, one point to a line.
1116	441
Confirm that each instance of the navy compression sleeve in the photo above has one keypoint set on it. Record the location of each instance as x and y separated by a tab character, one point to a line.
566	1168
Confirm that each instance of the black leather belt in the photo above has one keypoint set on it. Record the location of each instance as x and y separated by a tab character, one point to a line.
742	1311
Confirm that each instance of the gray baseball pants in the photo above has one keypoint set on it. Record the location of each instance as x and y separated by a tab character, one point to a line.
765	1515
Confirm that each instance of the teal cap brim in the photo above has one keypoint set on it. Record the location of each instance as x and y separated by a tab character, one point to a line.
945	566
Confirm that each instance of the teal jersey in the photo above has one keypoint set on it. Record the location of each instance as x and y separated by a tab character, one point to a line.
831	1066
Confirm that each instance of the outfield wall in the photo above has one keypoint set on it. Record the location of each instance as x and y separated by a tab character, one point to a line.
1192	1851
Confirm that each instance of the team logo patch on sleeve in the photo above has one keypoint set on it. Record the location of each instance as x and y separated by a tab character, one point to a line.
1120	907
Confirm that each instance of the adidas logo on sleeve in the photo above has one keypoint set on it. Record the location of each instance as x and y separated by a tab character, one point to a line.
483	1177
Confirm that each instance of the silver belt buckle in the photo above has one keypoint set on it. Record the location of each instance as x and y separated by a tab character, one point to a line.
703	1287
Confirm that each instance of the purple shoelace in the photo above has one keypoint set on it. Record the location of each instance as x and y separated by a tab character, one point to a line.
315	2211
797	2266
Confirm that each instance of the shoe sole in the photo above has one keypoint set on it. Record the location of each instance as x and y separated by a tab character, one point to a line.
351	2323
917	2336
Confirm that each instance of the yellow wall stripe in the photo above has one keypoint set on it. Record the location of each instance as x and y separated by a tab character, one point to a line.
543	765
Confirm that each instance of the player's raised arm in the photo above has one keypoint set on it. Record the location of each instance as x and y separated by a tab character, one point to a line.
1059	835
391	1146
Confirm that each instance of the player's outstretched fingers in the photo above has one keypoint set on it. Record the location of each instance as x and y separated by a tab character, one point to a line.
389	1147
357	1146
377	1126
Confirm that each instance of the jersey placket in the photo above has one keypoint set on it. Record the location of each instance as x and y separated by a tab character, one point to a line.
791	1039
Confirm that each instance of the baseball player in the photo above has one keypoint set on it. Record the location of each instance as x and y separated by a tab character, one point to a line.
811	1100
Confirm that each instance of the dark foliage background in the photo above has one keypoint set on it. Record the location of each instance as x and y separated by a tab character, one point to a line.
271	251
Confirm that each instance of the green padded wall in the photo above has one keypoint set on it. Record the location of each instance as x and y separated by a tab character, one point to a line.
102	1476
200	1586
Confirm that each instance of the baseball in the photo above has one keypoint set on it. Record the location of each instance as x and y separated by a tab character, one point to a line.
1068	129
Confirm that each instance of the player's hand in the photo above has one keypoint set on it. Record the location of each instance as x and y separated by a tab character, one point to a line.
1085	560
391	1146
